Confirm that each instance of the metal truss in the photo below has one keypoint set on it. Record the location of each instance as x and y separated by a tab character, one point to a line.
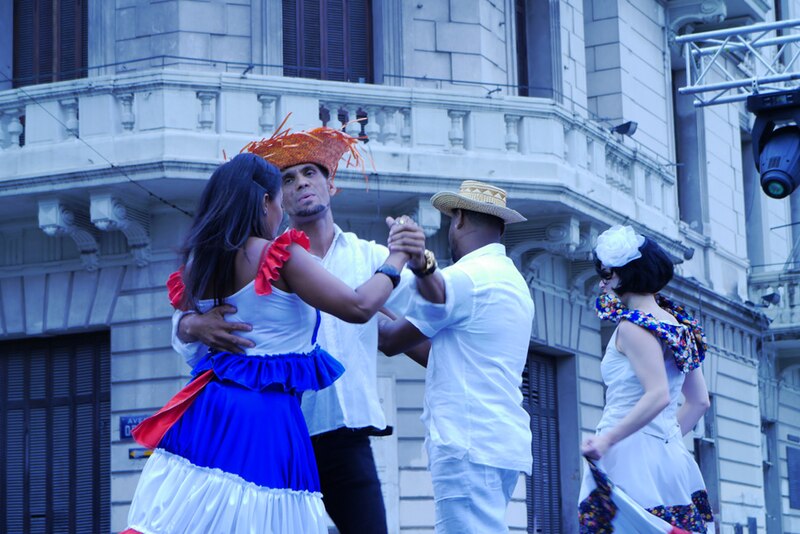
729	65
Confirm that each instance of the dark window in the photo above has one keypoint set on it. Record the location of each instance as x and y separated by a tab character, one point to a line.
705	454
538	48
543	489
55	412
793	476
50	40
522	48
328	39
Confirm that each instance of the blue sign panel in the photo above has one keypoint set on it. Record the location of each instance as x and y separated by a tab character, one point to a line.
127	423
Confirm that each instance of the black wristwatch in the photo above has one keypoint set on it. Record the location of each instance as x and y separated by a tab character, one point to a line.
391	272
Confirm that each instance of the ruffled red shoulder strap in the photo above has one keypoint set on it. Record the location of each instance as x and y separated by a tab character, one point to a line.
176	289
274	256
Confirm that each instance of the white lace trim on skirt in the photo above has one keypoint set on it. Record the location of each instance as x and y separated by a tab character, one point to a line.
175	495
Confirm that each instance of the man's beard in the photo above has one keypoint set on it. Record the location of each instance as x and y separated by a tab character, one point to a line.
311	211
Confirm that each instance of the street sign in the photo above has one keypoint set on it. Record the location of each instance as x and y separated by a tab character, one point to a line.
139	453
127	423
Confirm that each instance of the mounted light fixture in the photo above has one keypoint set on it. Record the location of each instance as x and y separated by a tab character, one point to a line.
771	298
626	128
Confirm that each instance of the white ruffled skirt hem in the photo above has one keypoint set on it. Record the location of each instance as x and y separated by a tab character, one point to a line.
175	496
655	472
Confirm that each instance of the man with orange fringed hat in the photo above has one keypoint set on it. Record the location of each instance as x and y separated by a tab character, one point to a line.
340	418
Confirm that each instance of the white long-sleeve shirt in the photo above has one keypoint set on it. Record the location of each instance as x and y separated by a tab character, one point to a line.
352	401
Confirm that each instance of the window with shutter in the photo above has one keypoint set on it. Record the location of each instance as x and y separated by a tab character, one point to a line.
538	48
705	454
50	40
328	39
793	476
543	490
55	406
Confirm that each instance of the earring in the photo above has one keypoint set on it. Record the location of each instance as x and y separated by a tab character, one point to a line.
265	211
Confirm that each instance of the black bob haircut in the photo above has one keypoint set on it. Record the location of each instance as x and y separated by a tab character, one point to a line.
648	274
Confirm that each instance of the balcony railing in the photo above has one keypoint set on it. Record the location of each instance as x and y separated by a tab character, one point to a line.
785	314
150	116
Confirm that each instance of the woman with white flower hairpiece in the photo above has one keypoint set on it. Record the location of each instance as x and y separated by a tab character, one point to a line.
653	357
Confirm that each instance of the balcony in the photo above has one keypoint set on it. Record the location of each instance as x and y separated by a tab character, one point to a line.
785	314
163	127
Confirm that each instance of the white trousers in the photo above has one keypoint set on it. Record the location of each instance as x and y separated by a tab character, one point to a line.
471	498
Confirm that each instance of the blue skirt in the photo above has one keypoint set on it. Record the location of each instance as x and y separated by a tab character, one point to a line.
240	457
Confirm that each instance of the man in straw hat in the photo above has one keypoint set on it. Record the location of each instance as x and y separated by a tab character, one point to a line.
478	315
340	418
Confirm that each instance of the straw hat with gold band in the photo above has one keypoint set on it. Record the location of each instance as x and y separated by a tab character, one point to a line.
477	196
323	146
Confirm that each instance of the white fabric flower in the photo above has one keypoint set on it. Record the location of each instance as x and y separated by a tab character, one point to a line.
618	246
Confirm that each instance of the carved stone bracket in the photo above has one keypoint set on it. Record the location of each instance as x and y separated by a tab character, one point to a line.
683	12
109	214
55	220
558	236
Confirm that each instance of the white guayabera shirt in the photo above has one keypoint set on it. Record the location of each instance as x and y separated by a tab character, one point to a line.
479	346
352	401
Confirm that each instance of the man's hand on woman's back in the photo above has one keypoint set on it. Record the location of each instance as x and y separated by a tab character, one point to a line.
213	330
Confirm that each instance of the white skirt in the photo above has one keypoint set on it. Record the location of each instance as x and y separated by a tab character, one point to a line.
175	496
660	475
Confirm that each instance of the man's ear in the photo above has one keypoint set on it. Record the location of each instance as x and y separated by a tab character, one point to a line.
459	218
331	187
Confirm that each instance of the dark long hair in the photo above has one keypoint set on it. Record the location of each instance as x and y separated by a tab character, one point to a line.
229	212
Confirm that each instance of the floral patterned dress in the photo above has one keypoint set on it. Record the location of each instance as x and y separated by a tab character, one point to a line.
652	465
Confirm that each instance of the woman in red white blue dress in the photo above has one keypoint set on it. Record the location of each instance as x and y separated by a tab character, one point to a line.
232	453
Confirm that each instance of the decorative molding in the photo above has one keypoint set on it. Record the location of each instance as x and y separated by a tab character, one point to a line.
619	170
512	132
205	119
388	125
352	126
405	132
266	121
127	117
561	236
456	133
109	214
55	220
70	108
391	35
14	128
681	13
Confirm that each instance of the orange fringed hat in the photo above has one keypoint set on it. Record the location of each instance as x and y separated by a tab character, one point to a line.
323	146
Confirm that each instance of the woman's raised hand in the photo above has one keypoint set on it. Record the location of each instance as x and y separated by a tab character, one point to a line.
406	237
